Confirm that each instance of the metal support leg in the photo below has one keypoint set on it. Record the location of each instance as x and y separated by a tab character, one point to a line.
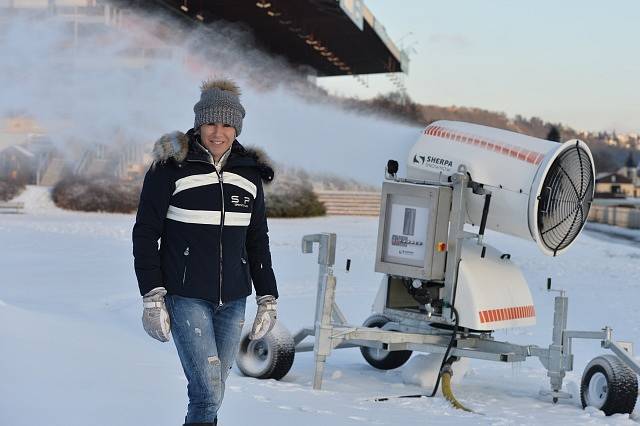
556	371
323	329
325	299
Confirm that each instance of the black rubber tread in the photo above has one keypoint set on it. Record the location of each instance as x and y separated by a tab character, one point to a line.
394	359
280	342
285	351
622	384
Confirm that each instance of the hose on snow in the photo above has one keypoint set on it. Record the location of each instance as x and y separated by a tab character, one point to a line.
446	374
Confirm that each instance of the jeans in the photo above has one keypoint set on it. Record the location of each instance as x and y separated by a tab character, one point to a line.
207	339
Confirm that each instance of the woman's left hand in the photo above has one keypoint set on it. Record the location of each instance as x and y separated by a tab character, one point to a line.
265	317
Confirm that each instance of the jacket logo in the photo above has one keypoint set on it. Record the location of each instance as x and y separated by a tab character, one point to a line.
237	202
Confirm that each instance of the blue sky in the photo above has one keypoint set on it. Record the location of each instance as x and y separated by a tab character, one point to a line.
575	62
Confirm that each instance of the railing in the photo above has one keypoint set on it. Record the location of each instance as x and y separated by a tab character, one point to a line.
11	207
626	217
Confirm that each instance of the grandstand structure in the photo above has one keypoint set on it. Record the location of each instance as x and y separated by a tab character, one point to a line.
333	37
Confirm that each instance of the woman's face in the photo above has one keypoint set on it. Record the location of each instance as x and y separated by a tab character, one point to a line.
217	138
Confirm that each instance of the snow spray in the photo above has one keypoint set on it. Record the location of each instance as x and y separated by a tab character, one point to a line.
86	86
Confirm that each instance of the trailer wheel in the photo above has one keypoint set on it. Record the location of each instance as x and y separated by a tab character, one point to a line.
609	385
268	358
379	358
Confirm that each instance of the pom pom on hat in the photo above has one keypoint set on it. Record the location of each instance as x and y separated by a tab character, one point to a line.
222	84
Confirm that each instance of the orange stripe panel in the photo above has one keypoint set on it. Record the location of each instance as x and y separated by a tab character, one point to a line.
508	150
505	314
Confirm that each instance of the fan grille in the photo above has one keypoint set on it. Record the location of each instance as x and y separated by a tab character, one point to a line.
565	198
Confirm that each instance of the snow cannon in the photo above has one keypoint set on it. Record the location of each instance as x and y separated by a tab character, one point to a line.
444	290
511	183
541	190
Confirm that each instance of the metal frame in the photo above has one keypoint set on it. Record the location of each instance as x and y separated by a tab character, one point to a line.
412	331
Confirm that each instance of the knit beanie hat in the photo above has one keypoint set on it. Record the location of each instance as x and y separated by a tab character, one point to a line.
219	103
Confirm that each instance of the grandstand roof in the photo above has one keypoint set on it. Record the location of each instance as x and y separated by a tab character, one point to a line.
335	37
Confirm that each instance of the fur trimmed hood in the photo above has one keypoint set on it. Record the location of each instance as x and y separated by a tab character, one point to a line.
179	147
171	146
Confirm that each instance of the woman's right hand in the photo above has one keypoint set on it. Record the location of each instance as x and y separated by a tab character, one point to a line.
155	317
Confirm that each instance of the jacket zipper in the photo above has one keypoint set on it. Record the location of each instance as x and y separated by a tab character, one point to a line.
221	228
184	272
221	223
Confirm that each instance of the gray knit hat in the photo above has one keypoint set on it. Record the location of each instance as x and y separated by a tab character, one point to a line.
219	103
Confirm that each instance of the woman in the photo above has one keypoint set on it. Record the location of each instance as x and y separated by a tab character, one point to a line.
203	199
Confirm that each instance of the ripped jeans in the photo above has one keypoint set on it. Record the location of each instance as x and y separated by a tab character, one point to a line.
207	339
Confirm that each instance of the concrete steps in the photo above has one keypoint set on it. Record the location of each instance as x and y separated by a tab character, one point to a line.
53	173
353	203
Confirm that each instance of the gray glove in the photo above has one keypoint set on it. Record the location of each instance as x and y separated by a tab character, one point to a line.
265	317
155	317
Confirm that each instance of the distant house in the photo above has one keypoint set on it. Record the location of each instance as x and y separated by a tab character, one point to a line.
18	164
35	162
631	172
614	185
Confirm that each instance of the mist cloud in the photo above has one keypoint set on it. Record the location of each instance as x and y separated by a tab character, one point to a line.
93	91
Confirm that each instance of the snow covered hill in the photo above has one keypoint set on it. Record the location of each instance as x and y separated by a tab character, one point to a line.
73	351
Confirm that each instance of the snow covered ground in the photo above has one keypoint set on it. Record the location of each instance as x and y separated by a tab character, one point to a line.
73	351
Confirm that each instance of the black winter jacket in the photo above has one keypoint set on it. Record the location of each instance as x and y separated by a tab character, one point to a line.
212	226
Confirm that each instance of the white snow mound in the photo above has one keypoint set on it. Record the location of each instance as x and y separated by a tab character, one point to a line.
37	199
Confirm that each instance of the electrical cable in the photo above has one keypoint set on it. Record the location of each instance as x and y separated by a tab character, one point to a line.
444	361
446	353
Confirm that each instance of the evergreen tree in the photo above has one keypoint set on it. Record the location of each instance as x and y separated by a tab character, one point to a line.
554	134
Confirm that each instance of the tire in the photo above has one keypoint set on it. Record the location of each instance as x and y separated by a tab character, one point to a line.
379	358
268	358
609	385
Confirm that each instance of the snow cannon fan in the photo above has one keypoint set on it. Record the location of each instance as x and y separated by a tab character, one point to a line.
460	173
541	190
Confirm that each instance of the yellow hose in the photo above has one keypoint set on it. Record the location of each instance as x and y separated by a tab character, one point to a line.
448	393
